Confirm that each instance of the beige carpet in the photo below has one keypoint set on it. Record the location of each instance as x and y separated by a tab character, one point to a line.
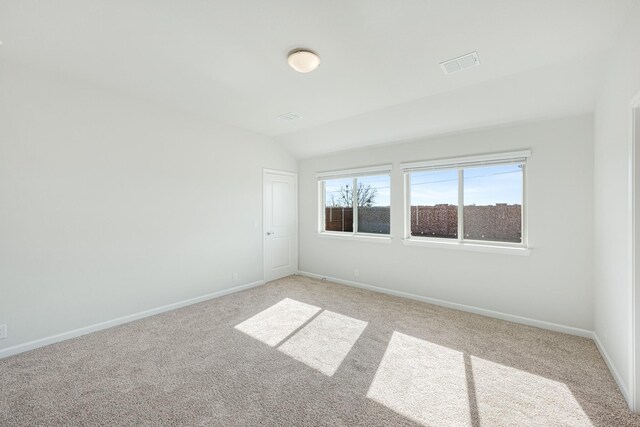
304	352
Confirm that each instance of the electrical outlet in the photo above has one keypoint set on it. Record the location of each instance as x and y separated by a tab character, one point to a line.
235	277
356	273
3	332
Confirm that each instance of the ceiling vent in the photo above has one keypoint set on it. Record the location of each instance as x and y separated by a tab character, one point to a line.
289	117
460	63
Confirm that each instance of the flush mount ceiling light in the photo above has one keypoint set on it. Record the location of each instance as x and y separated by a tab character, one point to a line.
303	60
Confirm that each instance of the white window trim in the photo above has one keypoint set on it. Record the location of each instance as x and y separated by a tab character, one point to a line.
460	163
469	245
467	161
350	173
359	237
354	174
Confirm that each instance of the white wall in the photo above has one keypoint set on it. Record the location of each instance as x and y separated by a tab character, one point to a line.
612	131
553	284
110	206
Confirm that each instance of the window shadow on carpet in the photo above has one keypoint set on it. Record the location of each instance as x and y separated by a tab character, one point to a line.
435	385
425	382
320	339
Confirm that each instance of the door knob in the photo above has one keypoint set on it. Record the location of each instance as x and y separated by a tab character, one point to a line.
269	233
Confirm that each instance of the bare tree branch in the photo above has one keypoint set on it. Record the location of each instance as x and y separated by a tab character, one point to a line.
366	195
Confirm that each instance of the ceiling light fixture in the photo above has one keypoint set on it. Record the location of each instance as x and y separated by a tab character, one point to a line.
303	60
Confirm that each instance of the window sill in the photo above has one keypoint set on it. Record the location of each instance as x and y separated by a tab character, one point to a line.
355	237
474	247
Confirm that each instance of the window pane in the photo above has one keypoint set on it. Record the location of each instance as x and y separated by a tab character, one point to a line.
434	204
374	212
338	215
493	203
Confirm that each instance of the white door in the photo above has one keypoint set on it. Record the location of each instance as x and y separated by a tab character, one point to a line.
280	225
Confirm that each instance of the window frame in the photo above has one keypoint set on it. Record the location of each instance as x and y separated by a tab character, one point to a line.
354	174
460	164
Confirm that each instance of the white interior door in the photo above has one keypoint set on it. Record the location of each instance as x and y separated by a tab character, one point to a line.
280	224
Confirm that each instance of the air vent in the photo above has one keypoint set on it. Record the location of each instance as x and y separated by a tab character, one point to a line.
460	63
289	117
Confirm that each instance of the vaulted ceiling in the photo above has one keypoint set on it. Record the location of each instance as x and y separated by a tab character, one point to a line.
379	81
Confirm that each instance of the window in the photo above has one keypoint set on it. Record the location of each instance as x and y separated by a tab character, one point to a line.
338	205
493	203
365	211
474	199
434	203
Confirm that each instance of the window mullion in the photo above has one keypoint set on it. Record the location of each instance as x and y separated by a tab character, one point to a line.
460	204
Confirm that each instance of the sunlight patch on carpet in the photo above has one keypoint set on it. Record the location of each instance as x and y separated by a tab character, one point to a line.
422	381
325	341
277	322
510	396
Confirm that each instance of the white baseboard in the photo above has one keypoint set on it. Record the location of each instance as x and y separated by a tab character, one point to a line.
612	368
20	348
489	313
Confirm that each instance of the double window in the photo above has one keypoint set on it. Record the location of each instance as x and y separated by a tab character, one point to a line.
467	199
356	202
477	199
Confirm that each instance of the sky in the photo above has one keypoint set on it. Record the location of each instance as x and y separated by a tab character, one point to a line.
483	186
379	182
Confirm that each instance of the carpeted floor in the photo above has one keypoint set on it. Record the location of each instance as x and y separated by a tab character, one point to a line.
305	352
